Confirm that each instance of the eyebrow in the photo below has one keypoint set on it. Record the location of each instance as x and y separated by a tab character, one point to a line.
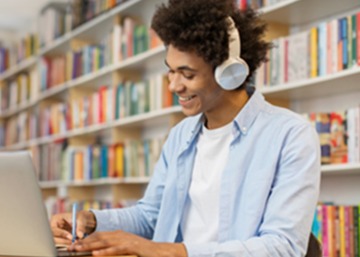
181	68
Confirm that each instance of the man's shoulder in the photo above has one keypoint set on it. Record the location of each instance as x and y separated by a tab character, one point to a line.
285	116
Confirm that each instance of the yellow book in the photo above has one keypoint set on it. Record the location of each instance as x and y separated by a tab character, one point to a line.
313	52
342	230
119	160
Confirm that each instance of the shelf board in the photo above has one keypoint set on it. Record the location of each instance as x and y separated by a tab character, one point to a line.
337	83
17	109
31	102
95	182
296	12
147	119
106	70
25	64
58	89
333	169
140	120
341	169
140	60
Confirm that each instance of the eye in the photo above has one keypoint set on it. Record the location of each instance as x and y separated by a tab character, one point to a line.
188	76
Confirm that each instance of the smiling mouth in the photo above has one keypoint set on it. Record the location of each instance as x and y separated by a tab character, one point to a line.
186	98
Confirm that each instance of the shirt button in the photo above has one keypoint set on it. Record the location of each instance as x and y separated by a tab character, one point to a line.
244	128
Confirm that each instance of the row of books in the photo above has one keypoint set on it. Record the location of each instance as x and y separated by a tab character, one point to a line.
54	22
13	53
26	47
57	19
337	229
56	205
328	48
134	37
255	4
128	159
89	58
339	134
54	71
90	107
85	10
18	90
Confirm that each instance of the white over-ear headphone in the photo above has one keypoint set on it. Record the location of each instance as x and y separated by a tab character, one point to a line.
232	72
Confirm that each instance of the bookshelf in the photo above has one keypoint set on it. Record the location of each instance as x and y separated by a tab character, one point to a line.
141	66
332	93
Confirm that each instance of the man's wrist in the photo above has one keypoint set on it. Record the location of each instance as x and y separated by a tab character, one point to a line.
91	222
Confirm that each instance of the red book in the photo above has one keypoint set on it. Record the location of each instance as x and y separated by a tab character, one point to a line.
102	103
286	62
358	37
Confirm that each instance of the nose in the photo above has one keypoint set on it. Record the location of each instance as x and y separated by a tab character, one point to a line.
175	84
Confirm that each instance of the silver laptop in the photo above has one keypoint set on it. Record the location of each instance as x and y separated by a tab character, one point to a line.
24	224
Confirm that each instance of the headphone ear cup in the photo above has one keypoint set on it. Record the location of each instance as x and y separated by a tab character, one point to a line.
232	73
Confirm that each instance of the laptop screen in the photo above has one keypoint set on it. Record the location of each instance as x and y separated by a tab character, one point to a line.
23	219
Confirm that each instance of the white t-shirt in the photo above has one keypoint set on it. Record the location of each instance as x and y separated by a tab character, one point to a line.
201	215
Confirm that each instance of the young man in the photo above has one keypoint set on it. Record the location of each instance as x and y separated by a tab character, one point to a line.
238	177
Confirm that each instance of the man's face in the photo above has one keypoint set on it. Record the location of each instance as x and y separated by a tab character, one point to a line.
192	79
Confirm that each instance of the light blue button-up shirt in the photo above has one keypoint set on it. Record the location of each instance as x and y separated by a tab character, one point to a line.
268	193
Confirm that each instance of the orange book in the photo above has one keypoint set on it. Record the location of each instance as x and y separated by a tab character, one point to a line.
111	161
78	166
340	55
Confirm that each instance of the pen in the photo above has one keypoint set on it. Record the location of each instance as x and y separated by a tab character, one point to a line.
74	209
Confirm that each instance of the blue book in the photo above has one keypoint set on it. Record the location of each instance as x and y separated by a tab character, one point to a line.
104	161
344	38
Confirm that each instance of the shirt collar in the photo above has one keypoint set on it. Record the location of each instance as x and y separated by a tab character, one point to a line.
243	120
246	117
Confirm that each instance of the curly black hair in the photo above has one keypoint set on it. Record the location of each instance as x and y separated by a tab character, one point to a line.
202	26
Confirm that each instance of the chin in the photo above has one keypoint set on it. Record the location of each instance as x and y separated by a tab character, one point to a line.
189	113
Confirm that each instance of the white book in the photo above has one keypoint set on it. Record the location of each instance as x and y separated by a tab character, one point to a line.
117	43
298	56
350	123
322	48
334	45
357	134
281	61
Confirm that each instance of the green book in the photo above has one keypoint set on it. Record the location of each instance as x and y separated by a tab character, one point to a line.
353	40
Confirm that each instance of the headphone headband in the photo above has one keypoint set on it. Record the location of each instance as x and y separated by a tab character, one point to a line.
232	72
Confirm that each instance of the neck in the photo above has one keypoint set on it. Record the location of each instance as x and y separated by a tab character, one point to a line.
234	102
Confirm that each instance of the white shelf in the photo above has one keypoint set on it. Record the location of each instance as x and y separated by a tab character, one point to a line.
337	83
341	169
140	120
141	60
327	170
94	182
147	119
295	12
25	64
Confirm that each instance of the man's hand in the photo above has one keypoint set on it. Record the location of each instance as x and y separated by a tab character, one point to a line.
61	225
123	243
